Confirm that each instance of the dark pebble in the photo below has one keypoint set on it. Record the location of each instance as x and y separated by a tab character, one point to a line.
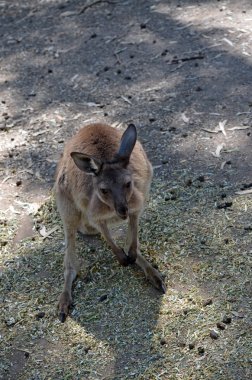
40	315
223	195
26	354
226	319
143	25
106	68
86	349
207	302
185	311
221	325
94	35
201	350
226	240
152	119
19	182
201	178
50	71
224	205
191	346
164	52
198	88
172	129
173	197
246	186
248	228
188	182
128	77
119	71
181	344
214	334
163	341
103	298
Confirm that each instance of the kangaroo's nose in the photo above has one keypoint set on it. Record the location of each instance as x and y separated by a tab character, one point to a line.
122	211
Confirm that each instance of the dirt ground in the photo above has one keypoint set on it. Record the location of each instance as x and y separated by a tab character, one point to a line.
181	71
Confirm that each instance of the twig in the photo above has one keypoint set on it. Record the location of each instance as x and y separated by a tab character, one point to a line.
83	9
185	59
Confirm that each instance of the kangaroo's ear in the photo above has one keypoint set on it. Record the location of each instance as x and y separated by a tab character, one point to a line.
127	144
86	163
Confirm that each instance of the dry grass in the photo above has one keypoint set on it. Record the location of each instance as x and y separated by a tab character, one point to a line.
132	331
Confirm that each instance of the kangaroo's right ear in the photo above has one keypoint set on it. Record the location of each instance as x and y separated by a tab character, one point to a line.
86	163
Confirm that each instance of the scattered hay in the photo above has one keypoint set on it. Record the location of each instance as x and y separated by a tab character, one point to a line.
121	328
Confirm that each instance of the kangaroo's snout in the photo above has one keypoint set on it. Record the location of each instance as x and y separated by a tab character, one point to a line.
122	211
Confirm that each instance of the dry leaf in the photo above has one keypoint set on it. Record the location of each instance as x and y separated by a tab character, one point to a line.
244	192
185	118
230	43
46	234
218	150
238	128
222	127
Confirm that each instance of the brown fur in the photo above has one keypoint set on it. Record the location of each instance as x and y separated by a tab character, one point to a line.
83	206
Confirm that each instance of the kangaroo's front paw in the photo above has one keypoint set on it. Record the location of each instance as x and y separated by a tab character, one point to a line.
122	257
65	302
156	279
132	256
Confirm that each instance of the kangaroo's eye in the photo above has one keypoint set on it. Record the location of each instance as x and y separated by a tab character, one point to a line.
104	191
128	184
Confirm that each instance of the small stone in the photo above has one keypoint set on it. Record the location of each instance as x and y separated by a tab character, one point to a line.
201	350
198	88
191	346
221	325
19	182
26	354
188	182
172	129
207	302
103	298
128	77
181	344
143	25
224	205
227	319
214	334
201	178
152	119
10	322
40	315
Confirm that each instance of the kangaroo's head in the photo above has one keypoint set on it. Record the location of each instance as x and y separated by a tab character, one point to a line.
112	180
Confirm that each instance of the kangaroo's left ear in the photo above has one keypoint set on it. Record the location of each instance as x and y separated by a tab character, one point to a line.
127	144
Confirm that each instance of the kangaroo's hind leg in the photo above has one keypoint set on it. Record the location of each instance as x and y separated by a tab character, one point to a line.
71	219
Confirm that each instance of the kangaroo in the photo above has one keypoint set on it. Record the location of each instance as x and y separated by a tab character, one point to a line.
103	177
